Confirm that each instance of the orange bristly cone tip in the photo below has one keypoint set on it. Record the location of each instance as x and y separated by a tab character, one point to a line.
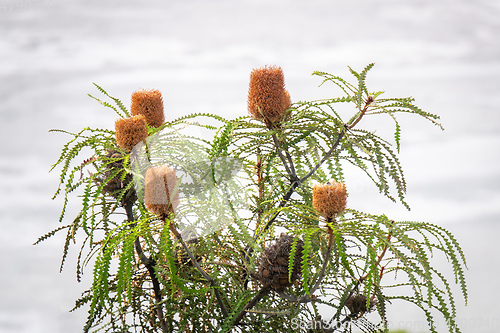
149	103
267	97
329	199
130	131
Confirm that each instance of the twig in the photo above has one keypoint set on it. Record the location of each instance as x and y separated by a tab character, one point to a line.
369	101
150	264
303	299
379	258
289	158
263	292
327	156
321	276
260	183
339	325
298	182
362	278
291	174
282	204
207	277
326	261
156	288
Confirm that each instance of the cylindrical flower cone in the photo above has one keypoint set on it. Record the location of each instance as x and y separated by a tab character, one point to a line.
267	97
161	194
329	199
149	103
130	131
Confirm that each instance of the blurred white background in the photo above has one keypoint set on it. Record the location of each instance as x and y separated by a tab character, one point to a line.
445	53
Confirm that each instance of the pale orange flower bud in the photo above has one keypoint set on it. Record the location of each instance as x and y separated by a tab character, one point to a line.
160	193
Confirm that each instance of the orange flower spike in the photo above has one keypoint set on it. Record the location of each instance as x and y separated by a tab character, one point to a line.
267	97
160	194
130	131
149	103
329	199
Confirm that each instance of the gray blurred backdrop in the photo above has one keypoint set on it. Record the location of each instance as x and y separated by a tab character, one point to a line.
445	53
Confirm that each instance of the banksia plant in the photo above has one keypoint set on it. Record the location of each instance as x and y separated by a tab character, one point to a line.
148	103
157	279
130	131
273	267
160	193
267	97
329	199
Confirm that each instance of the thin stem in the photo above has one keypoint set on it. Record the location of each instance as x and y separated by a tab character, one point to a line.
260	183
282	204
327	156
321	276
138	248
303	299
362	113
363	278
296	184
289	158
207	277
339	325
156	288
328	254
380	256
150	264
317	166
291	174
263	292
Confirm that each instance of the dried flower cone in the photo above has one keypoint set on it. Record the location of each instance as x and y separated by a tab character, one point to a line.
267	97
114	181
329	199
273	268
149	103
357	304
130	131
160	193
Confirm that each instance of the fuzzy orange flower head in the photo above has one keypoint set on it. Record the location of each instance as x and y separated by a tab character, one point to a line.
130	131
329	199
161	194
267	97
149	103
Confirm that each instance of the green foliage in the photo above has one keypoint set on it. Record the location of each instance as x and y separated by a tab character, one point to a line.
143	271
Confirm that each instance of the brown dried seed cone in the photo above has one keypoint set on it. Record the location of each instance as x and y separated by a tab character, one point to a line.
149	103
357	304
113	181
267	97
160	194
130	131
329	199
273	266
